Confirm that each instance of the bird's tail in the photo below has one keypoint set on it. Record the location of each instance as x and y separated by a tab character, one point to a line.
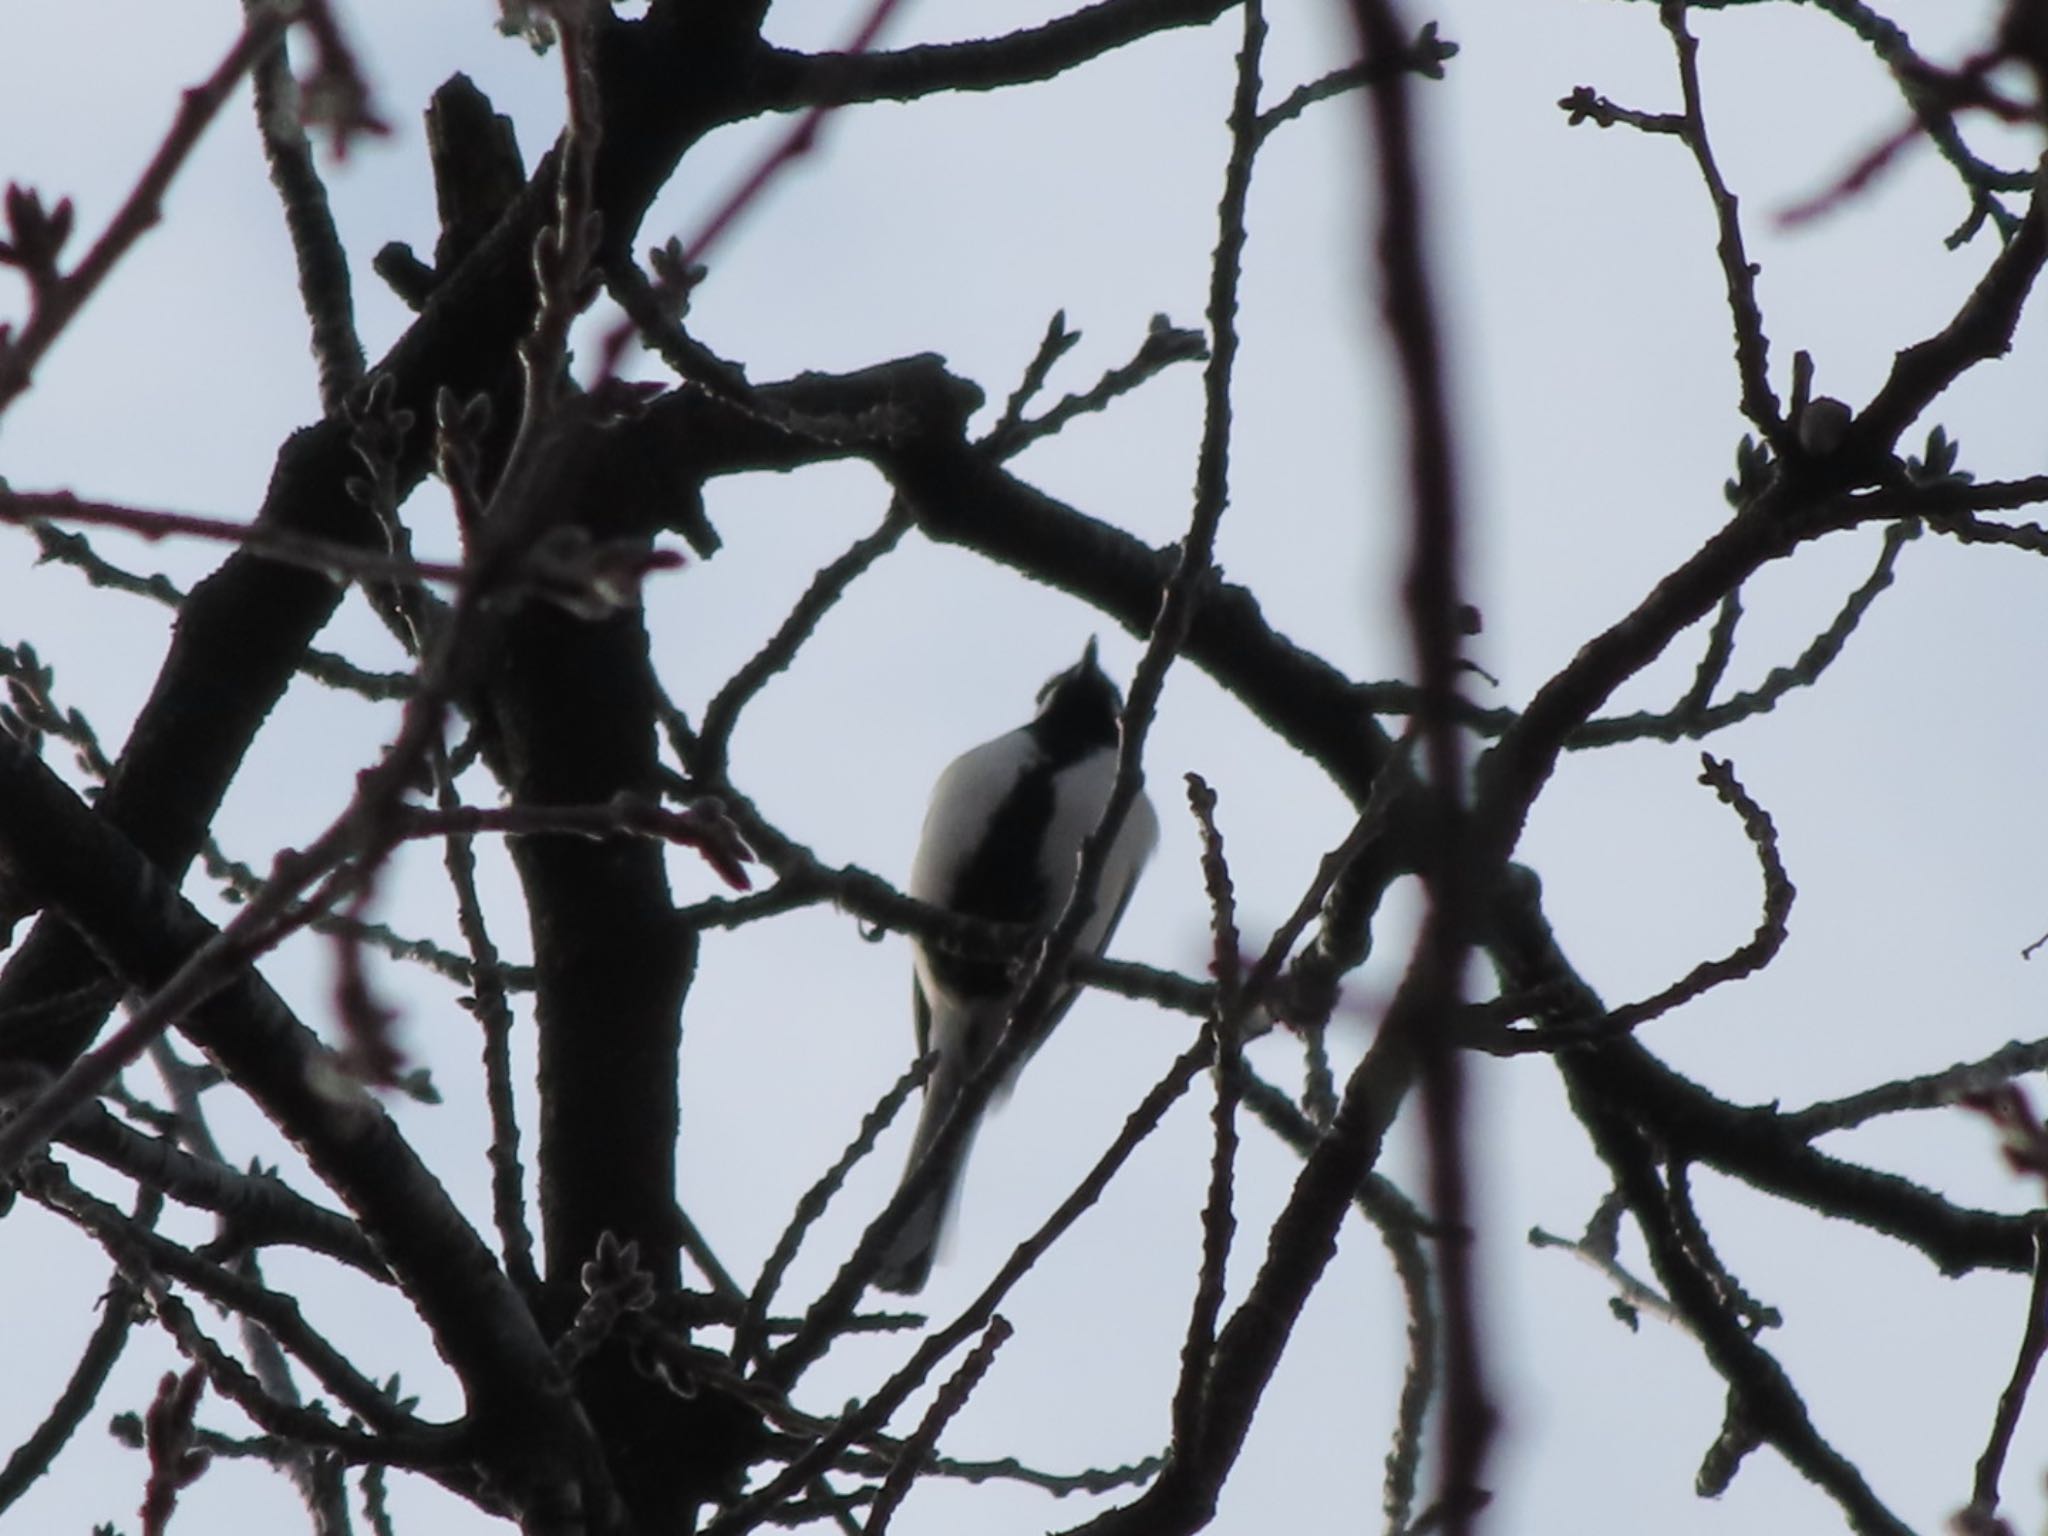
908	1263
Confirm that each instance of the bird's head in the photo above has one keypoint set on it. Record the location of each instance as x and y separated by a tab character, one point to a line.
1078	708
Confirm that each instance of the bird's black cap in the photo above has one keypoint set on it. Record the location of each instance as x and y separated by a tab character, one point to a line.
1077	710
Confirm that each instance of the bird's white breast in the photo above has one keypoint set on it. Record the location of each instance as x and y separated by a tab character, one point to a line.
1079	795
977	782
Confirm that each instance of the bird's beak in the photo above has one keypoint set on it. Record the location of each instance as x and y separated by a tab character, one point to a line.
1088	656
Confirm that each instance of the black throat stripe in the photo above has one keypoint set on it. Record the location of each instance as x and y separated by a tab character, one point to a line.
1002	883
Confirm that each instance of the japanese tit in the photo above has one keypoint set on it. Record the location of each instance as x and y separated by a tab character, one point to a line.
1001	841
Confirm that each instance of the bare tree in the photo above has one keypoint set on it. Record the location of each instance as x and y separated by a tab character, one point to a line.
615	1374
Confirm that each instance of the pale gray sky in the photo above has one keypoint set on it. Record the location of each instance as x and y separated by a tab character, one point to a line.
1594	384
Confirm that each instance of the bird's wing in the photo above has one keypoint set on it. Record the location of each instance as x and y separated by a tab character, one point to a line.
964	799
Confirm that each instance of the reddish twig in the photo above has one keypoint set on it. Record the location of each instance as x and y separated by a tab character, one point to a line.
1451	868
315	554
797	142
681	265
2023	1139
1937	96
167	1432
58	298
702	825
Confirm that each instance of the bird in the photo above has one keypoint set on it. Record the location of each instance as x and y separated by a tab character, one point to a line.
1001	842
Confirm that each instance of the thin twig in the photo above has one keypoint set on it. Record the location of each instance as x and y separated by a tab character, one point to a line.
1745	960
1632	1292
875	1411
1768	1400
1055	344
326	556
1164	345
1424	57
1752	345
1935	1090
1762	946
1719	652
1585	105
1219	1220
2033	1342
58	301
798	141
317	1477
714	734
240	882
1398	1225
952	1397
316	247
489	1001
1695	716
119	1311
747	1337
1009	1469
151	1261
701	825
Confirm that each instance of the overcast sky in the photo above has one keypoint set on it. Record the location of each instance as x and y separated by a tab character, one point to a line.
1594	388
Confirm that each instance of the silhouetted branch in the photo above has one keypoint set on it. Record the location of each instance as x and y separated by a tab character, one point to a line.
951	1398
120	1310
324	286
1425	57
1936	1090
1752	345
811	1338
811	1205
1164	345
714	733
1225	1031
1769	1402
1981	330
795	80
2033	1343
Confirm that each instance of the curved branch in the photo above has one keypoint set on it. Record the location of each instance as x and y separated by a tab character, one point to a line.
791	80
1761	947
1759	1146
31	1459
1695	717
1981	330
